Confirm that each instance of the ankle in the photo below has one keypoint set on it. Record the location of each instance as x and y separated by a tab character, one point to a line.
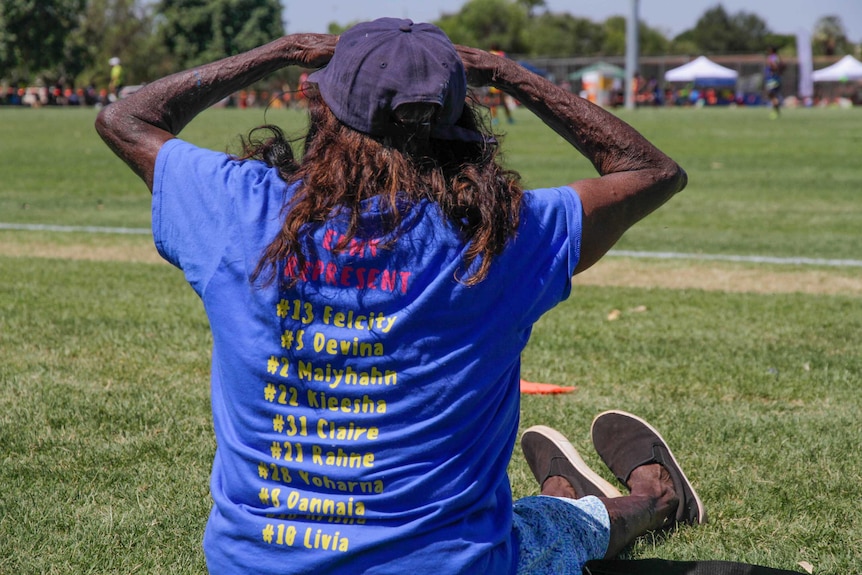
651	480
654	481
558	486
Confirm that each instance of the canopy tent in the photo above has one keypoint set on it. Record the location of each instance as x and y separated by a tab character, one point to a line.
846	69
704	72
600	81
601	68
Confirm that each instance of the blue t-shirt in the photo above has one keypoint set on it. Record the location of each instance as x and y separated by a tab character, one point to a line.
364	418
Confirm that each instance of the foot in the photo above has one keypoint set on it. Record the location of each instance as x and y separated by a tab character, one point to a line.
556	464
631	447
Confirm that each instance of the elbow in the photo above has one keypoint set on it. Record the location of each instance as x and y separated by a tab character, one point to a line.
105	120
115	124
680	179
673	178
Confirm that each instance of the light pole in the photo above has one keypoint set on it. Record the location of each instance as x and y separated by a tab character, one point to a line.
631	53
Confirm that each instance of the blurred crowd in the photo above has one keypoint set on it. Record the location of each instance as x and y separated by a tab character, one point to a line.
36	96
283	96
648	92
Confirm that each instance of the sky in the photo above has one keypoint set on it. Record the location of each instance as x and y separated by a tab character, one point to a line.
669	16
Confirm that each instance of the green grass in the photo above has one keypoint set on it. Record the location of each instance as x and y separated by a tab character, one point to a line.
785	188
103	420
105	433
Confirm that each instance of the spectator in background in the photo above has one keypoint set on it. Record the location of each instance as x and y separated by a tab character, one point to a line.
302	91
116	77
13	96
496	97
774	69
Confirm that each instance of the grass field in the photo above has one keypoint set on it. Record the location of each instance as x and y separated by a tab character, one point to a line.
751	368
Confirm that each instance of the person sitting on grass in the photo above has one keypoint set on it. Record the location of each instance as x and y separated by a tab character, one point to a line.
369	302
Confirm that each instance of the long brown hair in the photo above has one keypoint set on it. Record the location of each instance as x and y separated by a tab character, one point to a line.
341	167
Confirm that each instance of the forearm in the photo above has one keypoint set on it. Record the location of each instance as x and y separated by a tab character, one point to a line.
173	101
137	126
609	143
635	176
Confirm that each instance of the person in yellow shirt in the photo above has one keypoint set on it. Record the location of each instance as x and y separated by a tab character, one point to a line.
116	77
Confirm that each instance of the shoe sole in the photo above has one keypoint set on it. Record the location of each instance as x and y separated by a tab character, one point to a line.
701	510
574	458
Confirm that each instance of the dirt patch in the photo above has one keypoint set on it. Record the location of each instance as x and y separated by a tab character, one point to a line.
142	253
718	276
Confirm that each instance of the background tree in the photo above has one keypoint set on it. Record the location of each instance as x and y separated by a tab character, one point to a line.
717	32
531	5
71	40
121	28
564	35
829	37
199	31
483	23
651	41
33	36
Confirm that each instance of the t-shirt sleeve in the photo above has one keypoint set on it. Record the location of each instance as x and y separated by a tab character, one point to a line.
548	246
560	215
196	196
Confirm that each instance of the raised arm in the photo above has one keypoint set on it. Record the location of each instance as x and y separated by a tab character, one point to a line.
136	127
635	177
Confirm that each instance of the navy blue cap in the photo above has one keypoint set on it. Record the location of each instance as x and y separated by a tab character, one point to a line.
380	65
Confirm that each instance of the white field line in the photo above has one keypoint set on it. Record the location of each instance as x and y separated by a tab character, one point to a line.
619	253
75	229
733	258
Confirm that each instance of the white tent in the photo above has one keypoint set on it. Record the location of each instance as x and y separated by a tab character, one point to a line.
704	72
847	68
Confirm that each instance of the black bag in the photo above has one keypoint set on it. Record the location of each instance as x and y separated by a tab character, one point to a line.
665	567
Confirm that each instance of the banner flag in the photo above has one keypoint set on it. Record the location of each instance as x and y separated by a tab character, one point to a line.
806	66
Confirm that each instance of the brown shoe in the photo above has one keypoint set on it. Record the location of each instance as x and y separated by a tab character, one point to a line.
625	441
549	454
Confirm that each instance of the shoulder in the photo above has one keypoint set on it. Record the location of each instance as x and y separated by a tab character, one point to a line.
185	166
543	198
550	207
